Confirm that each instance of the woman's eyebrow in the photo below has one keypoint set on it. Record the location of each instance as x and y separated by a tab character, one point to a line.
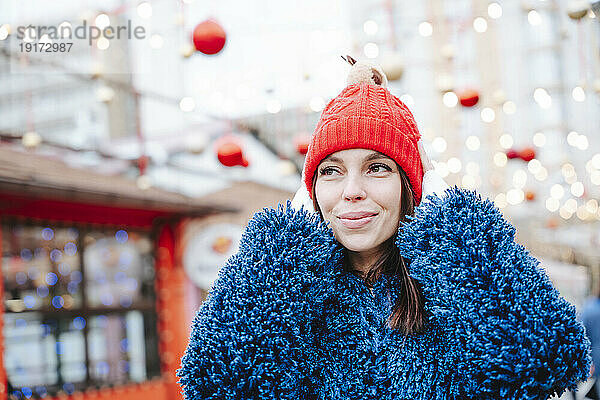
332	159
376	156
372	156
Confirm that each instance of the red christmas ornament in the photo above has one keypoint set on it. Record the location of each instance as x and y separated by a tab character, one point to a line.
552	223
301	143
527	154
468	97
529	195
512	154
142	163
230	154
209	37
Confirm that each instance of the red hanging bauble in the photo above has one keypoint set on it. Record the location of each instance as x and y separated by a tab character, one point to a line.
512	154
527	154
468	97
529	195
209	37
142	163
552	223
230	154
301	143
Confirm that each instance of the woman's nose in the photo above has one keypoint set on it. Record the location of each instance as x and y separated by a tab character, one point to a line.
354	189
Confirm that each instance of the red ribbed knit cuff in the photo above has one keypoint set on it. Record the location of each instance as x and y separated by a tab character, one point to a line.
368	133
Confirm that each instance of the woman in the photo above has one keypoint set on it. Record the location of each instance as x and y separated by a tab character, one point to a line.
378	294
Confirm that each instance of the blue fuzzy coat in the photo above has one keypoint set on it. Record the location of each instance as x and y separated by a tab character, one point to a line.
285	321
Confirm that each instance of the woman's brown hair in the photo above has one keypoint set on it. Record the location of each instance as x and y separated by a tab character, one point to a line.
407	313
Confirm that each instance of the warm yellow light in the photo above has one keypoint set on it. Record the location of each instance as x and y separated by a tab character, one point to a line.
541	174
370	27
425	29
534	165
506	141
144	10
519	178
577	189
472	168
592	205
442	169
187	104
570	205
534	18
473	143
488	115
273	106
515	196
500	159
539	139
578	94
439	144
450	99
509	107
494	10
480	25
468	182
371	50
557	191
500	200
564	213
454	165
552	204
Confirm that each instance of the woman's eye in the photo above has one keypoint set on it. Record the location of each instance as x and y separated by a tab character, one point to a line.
379	168
326	171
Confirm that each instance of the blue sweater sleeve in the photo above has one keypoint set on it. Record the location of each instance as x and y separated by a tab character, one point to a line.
250	337
513	335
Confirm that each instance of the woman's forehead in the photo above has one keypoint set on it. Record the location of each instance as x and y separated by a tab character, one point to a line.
349	154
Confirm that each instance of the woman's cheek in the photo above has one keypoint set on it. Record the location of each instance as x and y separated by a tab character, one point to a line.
326	197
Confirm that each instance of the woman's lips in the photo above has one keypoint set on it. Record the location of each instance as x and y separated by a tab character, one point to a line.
357	223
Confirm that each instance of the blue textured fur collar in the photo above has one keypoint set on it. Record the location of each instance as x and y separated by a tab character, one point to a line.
285	321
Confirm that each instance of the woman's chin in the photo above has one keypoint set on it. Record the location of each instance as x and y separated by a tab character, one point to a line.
356	243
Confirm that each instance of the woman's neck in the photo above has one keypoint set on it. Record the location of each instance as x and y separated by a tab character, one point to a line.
363	261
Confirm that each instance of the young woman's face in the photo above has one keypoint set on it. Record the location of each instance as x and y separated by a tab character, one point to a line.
358	192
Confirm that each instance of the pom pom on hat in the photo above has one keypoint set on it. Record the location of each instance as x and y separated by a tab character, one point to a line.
365	72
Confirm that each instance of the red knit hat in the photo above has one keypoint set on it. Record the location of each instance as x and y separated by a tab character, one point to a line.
366	115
